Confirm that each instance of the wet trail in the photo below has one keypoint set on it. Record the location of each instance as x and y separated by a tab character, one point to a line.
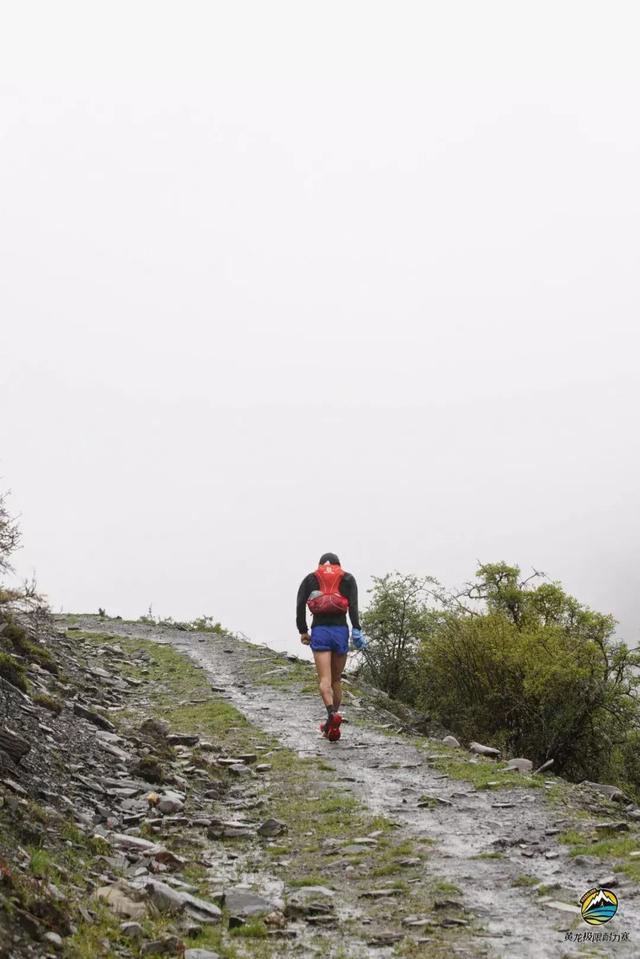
390	775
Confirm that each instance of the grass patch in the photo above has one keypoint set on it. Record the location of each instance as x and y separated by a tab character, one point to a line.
13	672
525	881
40	863
483	774
253	929
313	880
54	705
613	848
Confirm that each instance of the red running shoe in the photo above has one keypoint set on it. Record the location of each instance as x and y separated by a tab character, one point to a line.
331	729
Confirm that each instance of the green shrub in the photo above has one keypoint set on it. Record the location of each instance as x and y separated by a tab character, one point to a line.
518	663
535	673
13	671
25	646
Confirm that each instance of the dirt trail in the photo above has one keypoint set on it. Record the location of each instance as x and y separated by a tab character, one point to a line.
389	774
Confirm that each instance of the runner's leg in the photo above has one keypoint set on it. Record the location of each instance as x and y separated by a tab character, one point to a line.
338	662
323	669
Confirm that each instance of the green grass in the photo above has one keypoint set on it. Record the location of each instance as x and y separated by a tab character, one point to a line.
13	671
253	929
40	863
446	888
525	881
483	774
314	880
614	848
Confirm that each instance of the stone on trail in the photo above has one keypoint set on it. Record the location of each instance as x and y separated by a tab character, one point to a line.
53	939
14	787
123	899
170	802
520	765
230	829
385	939
610	792
310	901
559	905
167	946
155	728
93	717
607	882
447	904
272	827
201	954
164	898
170	900
182	739
481	750
417	922
134	843
379	893
243	903
612	826
451	741
132	930
239	769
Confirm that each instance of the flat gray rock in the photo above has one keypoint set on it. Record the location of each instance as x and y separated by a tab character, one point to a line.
611	792
451	741
243	903
272	827
520	765
481	750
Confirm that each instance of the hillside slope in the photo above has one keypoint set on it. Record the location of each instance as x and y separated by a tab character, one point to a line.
176	796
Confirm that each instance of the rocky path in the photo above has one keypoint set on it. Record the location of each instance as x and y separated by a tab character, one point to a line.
497	845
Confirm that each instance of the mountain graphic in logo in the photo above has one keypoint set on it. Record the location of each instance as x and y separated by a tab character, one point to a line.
598	906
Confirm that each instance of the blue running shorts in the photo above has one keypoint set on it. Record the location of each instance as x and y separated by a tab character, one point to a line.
334	639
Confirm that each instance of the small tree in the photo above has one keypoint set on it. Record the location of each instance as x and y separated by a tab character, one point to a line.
9	536
24	600
395	622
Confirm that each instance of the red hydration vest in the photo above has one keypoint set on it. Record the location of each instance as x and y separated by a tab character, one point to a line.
328	599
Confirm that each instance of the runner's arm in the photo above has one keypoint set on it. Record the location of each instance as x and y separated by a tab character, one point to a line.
301	606
351	592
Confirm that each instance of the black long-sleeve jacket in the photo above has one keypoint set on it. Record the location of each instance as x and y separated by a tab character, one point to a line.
348	588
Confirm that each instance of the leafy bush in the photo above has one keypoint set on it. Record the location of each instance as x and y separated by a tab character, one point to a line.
518	663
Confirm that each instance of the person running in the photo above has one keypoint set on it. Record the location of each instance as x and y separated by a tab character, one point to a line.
329	593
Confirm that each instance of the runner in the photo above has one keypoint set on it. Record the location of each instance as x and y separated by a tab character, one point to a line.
329	593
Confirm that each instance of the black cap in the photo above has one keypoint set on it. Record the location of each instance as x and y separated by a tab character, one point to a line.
329	558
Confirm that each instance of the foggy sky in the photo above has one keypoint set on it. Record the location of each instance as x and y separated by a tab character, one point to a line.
284	278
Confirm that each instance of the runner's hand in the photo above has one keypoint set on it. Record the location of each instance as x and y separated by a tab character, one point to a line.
358	641
305	639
